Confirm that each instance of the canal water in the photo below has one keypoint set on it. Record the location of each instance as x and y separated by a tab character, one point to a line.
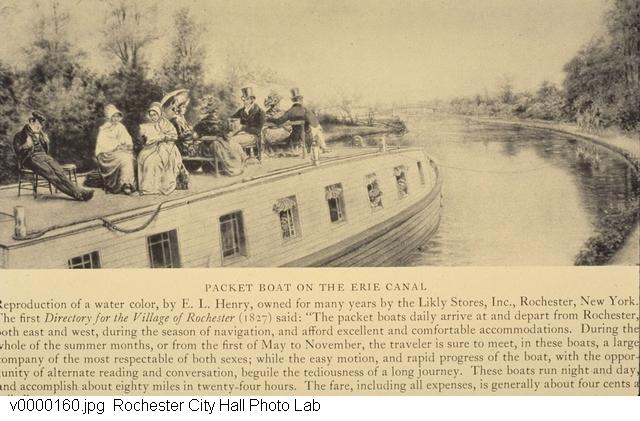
515	195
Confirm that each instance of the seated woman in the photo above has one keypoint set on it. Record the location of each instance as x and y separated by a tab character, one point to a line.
159	161
273	135
114	153
174	106
214	135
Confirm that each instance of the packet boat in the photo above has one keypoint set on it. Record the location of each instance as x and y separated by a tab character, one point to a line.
354	207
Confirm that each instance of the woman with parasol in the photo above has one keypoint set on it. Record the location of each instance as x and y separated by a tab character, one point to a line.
174	106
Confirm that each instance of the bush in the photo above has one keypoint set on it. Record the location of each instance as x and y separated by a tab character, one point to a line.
613	229
9	122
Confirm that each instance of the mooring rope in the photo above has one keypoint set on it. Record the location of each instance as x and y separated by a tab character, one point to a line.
112	227
108	224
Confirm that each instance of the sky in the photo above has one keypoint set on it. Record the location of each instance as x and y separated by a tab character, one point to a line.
379	50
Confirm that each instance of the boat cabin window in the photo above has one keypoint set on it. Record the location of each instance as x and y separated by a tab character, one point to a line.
400	173
86	261
287	211
163	250
421	172
232	235
374	192
335	200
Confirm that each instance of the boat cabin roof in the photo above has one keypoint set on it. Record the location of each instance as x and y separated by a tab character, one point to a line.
58	210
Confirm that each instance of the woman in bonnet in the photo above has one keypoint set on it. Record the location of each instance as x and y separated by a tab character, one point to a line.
114	153
214	133
159	161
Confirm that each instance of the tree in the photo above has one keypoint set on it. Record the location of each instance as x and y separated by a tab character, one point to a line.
590	82
51	26
505	89
623	23
9	122
240	71
129	27
184	66
57	84
132	92
548	102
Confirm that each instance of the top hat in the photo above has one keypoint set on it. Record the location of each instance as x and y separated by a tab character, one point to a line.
295	94
247	93
37	115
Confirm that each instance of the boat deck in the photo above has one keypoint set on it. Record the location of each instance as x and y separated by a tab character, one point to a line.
47	211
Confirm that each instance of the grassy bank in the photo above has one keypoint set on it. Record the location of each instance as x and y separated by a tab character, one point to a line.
613	229
338	132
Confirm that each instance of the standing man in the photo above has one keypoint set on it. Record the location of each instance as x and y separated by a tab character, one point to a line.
31	146
251	120
298	112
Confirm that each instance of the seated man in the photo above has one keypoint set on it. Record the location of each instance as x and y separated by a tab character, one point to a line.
298	112
31	145
251	120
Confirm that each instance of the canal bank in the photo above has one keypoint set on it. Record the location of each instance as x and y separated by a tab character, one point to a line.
338	132
625	146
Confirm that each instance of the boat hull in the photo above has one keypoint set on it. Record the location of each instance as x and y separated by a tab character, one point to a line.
194	227
386	244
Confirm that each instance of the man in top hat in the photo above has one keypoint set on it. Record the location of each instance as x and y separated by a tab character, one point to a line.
251	119
31	146
298	112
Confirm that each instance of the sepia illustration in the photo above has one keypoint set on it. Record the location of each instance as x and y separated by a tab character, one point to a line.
210	133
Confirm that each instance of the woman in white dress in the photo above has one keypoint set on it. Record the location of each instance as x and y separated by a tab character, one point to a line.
114	153
159	161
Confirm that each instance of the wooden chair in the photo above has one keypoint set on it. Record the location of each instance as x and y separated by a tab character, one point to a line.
97	171
207	160
32	181
254	150
70	169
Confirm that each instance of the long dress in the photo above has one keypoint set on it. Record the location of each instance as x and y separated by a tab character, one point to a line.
275	135
228	152
159	161
186	143
114	154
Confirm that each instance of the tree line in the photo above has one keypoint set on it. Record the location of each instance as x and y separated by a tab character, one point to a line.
72	96
601	87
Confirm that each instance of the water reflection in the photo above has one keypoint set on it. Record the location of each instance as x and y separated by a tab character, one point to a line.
514	195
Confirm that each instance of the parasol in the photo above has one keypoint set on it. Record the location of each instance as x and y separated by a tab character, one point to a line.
177	95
